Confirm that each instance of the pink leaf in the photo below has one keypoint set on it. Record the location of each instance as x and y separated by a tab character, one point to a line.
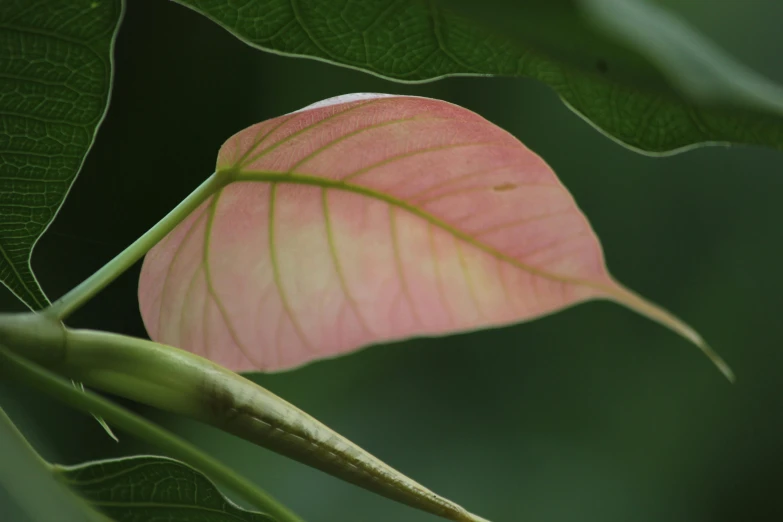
368	218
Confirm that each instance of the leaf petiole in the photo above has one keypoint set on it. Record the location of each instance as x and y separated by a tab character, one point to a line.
78	296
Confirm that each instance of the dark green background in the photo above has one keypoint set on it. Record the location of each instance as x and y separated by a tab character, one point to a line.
593	414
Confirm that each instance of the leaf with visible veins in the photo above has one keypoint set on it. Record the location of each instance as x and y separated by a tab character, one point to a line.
629	67
147	488
370	218
55	83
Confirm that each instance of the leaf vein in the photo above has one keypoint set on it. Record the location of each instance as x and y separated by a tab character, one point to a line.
278	177
400	269
337	266
276	270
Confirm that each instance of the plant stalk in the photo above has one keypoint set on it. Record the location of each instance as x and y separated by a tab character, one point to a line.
78	296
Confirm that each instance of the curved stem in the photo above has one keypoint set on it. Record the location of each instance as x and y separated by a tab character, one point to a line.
13	366
82	293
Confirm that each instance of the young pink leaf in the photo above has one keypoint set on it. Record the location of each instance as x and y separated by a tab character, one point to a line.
369	218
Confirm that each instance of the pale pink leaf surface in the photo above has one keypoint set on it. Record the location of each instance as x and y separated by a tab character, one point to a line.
365	219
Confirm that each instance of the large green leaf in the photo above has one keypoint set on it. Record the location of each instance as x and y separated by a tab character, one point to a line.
145	488
29	483
631	69
55	81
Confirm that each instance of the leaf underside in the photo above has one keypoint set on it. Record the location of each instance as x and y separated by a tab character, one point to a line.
143	488
367	219
55	81
636	90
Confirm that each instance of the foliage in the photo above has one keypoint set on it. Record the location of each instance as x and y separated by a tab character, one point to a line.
54	91
630	68
136	489
468	229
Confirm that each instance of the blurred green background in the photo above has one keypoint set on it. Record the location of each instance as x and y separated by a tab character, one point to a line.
593	414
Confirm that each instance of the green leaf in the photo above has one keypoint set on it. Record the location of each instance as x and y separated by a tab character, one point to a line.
145	488
27	478
630	68
54	90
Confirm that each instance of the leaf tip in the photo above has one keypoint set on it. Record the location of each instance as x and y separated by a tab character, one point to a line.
654	312
718	361
686	331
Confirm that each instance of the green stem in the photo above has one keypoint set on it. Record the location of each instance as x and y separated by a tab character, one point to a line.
74	299
15	367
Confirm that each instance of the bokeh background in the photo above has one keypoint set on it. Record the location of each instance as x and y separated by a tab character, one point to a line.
590	415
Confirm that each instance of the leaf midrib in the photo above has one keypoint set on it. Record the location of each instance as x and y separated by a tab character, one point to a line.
325	183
